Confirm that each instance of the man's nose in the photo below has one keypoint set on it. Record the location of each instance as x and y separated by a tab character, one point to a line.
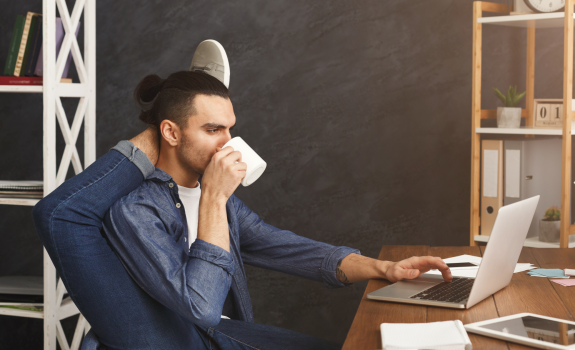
225	138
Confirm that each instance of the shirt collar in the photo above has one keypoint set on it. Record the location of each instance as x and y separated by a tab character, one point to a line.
159	175
163	176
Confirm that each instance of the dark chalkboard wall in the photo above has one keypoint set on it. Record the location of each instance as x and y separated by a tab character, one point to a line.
361	109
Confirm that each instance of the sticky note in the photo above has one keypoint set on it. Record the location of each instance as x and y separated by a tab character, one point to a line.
566	283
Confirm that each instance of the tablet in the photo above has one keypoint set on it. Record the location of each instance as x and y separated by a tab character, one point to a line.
529	329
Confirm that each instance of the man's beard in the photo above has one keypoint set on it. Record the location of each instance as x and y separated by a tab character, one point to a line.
190	159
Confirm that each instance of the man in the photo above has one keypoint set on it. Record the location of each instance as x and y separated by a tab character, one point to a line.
183	288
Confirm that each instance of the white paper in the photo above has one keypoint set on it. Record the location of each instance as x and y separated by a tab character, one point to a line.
433	335
512	172
472	271
490	168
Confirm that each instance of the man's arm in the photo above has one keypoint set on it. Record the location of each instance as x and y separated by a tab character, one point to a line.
355	268
268	247
193	283
221	178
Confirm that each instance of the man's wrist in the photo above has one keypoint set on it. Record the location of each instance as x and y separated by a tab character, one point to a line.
384	269
212	199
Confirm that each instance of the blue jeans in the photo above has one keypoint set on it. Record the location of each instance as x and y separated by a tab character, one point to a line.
122	315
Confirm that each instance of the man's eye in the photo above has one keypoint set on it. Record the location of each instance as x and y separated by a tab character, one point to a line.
212	130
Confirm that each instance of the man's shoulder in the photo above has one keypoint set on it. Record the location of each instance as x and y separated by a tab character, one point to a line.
150	193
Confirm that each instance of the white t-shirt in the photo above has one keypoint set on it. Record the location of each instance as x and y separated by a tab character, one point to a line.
191	200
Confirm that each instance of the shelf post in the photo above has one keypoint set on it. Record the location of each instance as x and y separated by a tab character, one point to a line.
90	62
49	142
530	77
567	113
478	8
475	121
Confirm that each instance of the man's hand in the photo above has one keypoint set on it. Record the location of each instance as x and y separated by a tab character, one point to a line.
355	268
415	266
224	174
221	178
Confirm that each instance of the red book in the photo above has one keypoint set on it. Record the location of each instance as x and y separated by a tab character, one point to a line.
27	80
20	80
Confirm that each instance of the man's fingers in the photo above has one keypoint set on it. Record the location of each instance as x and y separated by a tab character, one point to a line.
411	273
240	166
222	152
430	262
447	275
235	156
437	263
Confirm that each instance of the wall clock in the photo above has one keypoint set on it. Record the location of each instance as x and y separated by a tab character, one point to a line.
545	5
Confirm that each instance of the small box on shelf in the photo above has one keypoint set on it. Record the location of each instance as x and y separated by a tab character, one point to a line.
548	113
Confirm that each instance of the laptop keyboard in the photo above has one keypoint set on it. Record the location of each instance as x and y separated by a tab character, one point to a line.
455	291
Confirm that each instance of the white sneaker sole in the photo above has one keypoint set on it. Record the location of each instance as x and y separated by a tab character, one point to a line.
224	56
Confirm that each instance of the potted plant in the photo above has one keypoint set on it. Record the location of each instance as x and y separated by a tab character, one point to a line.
549	226
509	116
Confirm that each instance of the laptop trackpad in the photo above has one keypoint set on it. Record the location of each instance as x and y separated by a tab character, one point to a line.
407	288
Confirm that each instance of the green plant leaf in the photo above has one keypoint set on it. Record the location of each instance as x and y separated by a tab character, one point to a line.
509	98
499	95
519	97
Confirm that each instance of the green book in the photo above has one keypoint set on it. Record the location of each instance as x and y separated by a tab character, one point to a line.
14	46
28	44
29	308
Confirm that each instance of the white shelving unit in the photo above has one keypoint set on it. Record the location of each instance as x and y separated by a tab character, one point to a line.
56	307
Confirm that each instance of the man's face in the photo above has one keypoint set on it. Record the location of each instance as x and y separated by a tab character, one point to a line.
207	129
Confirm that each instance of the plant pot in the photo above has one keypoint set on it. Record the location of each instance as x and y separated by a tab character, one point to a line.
508	117
549	231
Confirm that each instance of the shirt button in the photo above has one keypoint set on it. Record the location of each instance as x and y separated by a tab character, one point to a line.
178	205
171	185
185	239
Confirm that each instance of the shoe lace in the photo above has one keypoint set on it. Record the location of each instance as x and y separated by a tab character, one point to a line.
200	68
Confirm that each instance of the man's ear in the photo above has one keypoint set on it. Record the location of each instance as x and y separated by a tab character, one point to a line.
170	132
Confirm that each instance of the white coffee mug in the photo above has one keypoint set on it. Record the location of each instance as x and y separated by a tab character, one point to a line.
256	165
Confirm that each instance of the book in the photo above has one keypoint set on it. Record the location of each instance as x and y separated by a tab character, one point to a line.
23	43
39	71
31	33
21	185
27	80
24	306
34	49
31	195
20	189
14	45
433	336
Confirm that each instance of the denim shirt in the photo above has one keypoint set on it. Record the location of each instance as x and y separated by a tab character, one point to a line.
148	231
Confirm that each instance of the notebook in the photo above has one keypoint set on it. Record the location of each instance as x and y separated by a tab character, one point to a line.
447	335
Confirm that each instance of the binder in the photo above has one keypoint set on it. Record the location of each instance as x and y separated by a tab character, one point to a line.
513	171
491	184
538	171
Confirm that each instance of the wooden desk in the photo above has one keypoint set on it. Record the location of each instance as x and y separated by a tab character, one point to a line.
523	294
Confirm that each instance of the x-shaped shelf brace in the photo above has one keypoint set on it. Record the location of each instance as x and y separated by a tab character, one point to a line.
70	43
70	155
82	327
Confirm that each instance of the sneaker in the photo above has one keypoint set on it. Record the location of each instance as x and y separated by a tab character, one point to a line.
210	57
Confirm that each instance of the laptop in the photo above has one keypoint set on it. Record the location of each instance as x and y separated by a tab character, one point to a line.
495	271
